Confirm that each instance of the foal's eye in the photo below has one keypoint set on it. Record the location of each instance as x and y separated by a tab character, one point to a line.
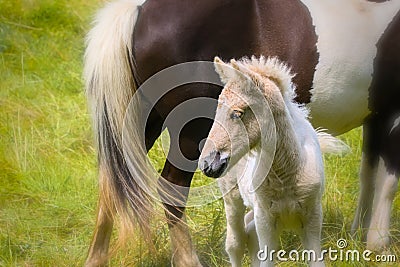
237	114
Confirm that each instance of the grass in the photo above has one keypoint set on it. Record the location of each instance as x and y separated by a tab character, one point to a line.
48	183
47	177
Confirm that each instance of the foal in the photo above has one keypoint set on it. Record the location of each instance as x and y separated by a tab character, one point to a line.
273	158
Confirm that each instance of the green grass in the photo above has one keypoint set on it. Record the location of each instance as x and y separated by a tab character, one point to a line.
48	183
47	162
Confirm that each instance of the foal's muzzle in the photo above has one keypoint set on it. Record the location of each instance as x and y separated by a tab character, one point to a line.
214	165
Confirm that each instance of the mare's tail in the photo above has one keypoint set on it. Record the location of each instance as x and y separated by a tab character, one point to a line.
110	87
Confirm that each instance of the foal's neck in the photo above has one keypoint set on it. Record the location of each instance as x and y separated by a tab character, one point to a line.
288	156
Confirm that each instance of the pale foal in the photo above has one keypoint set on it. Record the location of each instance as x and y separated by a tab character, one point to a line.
272	157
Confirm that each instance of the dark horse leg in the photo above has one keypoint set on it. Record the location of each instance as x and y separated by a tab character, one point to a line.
381	151
368	174
98	252
379	179
388	172
184	147
183	251
184	143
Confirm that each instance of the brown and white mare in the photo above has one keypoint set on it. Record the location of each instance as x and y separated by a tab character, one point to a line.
346	54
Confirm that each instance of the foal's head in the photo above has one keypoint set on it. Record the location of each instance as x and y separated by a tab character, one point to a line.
251	98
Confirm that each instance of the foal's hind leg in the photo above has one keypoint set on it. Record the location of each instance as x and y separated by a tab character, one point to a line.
98	251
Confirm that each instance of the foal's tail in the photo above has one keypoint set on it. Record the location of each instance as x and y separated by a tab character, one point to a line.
109	87
330	144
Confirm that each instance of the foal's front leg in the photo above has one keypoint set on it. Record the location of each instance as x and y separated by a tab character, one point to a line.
266	232
235	242
252	240
311	234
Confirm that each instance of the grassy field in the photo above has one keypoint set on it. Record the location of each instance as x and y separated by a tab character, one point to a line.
48	183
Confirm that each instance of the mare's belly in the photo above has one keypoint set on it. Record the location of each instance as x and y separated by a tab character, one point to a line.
348	32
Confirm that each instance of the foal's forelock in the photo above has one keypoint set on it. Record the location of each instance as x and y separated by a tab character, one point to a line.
247	92
240	100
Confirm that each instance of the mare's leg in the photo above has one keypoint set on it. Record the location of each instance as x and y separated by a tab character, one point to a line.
388	172
383	154
368	171
311	233
235	242
178	170
98	251
383	128
183	251
378	235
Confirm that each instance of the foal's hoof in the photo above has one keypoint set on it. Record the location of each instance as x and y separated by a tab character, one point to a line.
95	263
377	240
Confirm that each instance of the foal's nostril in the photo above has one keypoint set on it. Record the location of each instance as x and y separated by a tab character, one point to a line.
214	165
204	165
217	156
224	163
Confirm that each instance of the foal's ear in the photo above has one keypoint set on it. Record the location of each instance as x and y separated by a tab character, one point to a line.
235	65
224	70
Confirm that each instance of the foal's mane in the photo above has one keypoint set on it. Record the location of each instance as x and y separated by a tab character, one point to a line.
277	71
273	69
